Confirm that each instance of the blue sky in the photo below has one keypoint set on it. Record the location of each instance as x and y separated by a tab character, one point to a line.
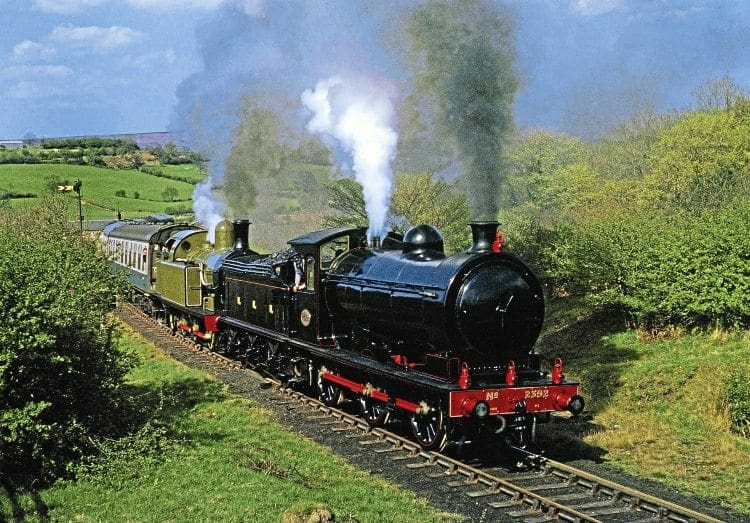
76	67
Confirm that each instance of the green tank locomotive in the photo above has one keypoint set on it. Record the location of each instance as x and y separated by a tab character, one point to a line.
173	267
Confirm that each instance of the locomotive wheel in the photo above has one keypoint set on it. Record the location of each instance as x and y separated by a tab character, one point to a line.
374	413
172	322
160	314
429	429
145	305
330	394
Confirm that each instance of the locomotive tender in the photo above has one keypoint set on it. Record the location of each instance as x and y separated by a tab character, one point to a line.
443	342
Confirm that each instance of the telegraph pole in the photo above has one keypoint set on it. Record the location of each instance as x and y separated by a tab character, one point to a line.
77	188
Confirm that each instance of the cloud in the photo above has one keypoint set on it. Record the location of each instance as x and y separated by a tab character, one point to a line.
64	6
154	58
29	90
28	51
596	7
100	38
35	71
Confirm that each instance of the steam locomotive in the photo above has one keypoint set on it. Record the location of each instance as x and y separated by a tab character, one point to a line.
444	343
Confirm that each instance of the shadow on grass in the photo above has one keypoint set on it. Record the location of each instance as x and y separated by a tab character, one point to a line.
164	403
581	339
147	424
41	511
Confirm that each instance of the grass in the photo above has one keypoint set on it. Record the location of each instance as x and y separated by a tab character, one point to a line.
216	457
99	186
656	403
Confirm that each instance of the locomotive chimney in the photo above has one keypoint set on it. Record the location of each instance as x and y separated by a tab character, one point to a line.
241	234
375	243
482	236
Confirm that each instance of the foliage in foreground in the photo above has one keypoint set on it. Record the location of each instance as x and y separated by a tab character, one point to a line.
736	399
690	270
59	364
197	453
685	435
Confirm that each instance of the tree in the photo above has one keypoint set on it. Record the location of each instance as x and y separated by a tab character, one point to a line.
256	157
420	199
534	161
346	198
720	93
169	194
417	199
701	160
60	367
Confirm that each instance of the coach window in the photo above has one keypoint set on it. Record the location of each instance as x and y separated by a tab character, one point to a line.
310	277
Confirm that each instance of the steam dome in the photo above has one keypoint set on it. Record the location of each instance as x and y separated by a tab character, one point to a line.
422	238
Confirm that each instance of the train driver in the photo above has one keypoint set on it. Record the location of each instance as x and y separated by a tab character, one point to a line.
299	273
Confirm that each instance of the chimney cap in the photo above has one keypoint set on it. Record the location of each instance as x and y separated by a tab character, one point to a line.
483	235
241	235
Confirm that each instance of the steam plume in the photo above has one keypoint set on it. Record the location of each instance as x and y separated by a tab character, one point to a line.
360	119
263	55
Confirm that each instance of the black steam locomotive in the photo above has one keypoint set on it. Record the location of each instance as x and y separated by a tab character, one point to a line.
444	342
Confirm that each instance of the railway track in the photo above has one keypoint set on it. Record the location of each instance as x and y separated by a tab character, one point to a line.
546	490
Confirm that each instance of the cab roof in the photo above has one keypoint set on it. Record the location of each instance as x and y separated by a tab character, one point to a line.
317	238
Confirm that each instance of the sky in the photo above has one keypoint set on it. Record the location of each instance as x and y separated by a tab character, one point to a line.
87	67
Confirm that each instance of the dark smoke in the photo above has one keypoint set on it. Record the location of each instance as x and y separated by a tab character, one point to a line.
463	68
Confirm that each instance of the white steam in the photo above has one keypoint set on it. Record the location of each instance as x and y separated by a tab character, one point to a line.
360	119
209	210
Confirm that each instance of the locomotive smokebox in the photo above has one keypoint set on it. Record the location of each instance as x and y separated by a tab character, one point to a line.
482	236
241	229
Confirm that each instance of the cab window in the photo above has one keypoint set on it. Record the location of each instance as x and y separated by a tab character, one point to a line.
331	249
310	273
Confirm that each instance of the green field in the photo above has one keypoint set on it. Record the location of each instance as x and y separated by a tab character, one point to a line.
99	187
206	455
189	171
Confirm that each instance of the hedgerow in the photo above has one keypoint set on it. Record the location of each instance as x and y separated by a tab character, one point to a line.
689	270
60	368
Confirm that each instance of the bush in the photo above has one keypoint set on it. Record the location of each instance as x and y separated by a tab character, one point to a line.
546	248
169	194
60	368
178	210
736	401
688	270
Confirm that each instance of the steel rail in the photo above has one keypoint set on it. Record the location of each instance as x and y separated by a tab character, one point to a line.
635	498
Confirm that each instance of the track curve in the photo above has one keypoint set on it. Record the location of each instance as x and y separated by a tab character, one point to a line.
546	491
